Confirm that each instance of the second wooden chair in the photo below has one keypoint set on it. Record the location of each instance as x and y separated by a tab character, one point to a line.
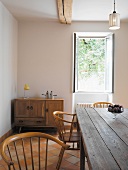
67	127
101	104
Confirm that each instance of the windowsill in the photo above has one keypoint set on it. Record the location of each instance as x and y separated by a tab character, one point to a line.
82	92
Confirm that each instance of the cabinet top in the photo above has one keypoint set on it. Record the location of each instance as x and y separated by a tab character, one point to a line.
36	98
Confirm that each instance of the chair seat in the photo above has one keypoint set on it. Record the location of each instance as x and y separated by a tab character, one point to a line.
74	137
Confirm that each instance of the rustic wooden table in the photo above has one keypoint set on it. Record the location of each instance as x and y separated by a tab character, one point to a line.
104	140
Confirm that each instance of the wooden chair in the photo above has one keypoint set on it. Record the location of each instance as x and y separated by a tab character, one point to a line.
30	150
67	127
101	104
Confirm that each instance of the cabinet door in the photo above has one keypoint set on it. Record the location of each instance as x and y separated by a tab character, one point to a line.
22	108
29	108
51	106
41	109
37	108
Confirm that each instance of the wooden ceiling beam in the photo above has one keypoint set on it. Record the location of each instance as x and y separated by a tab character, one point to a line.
65	11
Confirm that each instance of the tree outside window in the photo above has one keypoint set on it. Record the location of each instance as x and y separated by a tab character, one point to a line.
93	63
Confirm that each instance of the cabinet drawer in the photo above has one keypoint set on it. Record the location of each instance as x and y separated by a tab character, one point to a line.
29	122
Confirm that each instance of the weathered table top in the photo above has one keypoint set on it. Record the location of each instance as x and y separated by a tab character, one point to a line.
105	139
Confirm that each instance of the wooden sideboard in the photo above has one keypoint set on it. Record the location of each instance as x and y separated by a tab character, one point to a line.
36	112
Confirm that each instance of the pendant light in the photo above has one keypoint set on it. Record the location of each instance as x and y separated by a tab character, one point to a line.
114	20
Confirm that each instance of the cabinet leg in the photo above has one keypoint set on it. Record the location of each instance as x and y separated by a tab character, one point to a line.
20	129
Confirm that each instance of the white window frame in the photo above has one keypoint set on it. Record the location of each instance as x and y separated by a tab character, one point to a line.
75	69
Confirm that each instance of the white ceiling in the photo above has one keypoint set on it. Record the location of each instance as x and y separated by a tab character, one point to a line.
82	10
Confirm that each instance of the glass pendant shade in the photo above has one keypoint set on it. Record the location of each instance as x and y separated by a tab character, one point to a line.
114	21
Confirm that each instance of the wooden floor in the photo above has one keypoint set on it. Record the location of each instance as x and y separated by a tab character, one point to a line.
71	159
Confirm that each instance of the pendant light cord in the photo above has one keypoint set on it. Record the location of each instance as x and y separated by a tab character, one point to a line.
114	7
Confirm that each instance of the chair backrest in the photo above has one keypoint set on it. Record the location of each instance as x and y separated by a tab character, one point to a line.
30	151
64	122
101	104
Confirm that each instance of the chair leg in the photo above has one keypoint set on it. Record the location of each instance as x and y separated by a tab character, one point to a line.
60	158
9	167
78	145
73	145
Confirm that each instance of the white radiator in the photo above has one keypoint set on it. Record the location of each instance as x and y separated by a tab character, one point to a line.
87	105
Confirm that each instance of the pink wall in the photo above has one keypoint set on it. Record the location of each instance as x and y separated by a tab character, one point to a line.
8	67
45	58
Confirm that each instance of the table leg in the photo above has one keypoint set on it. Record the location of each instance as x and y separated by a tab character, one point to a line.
82	156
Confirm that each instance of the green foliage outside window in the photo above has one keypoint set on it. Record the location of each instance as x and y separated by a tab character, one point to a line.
91	58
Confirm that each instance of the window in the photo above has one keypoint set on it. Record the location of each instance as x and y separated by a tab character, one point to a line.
93	62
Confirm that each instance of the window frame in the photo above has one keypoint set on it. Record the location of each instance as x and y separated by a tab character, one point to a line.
90	35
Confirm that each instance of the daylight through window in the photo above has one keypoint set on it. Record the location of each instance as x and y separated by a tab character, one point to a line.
93	62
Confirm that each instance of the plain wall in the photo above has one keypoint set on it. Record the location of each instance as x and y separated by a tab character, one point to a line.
45	59
8	67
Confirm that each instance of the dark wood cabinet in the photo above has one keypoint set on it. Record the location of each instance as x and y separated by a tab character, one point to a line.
36	112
